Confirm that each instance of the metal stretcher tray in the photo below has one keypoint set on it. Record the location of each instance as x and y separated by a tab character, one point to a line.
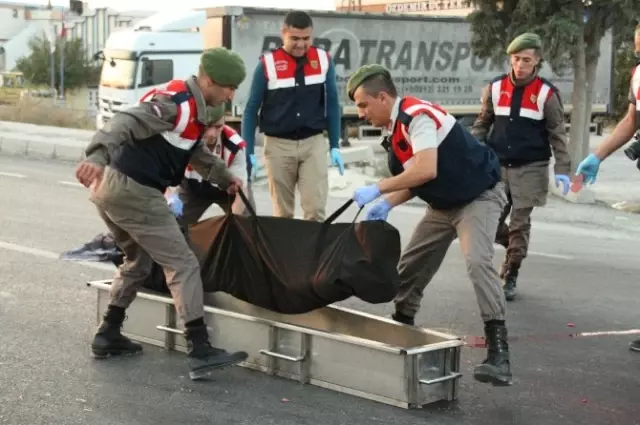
333	347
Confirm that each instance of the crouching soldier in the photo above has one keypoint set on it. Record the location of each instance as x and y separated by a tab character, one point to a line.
195	195
431	156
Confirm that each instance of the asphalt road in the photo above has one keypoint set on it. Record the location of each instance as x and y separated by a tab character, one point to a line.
582	269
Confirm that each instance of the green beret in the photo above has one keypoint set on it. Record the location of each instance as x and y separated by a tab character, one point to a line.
214	113
224	67
528	40
361	74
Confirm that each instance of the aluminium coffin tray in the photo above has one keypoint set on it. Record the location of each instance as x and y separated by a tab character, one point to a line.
333	347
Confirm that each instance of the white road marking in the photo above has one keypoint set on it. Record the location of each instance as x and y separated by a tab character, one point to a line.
74	184
544	254
16	175
52	255
537	253
607	333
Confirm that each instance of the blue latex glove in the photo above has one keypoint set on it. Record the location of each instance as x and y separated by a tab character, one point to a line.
566	182
589	168
175	204
336	160
254	165
364	195
379	211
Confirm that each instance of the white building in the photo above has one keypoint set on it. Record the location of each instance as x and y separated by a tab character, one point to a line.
21	22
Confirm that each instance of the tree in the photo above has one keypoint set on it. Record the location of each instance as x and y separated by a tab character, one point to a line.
571	30
625	60
36	68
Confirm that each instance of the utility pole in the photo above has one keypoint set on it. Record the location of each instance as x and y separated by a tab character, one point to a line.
75	7
63	39
52	50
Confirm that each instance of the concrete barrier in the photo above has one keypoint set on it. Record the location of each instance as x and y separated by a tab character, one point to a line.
66	144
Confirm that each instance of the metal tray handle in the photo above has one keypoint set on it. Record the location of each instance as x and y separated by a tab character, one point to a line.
449	377
282	356
170	330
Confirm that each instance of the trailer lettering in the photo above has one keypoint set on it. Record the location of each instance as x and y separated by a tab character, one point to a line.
407	55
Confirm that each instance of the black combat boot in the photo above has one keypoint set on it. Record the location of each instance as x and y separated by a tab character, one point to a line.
203	358
108	341
510	277
496	369
635	345
502	235
403	318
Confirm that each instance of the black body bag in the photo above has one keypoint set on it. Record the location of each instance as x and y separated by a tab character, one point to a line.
285	265
294	266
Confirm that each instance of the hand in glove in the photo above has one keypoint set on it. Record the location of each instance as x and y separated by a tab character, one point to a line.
379	211
566	183
254	165
364	195
336	160
589	168
175	204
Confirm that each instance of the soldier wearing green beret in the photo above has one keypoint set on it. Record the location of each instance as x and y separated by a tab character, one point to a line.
196	195
432	157
131	161
528	121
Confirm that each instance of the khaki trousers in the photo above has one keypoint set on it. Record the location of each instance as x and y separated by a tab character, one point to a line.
298	162
146	231
475	225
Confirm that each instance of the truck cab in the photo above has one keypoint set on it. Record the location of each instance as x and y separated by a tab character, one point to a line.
155	51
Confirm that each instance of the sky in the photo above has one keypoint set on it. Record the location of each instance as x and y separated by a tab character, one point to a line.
152	5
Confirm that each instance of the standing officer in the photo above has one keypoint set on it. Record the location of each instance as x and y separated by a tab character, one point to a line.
619	137
194	194
432	157
130	163
528	123
294	87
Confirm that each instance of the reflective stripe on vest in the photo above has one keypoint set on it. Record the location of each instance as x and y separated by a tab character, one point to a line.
232	137
280	68
534	97
187	129
635	86
413	107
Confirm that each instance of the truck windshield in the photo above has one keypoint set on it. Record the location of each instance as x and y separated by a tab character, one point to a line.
118	73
